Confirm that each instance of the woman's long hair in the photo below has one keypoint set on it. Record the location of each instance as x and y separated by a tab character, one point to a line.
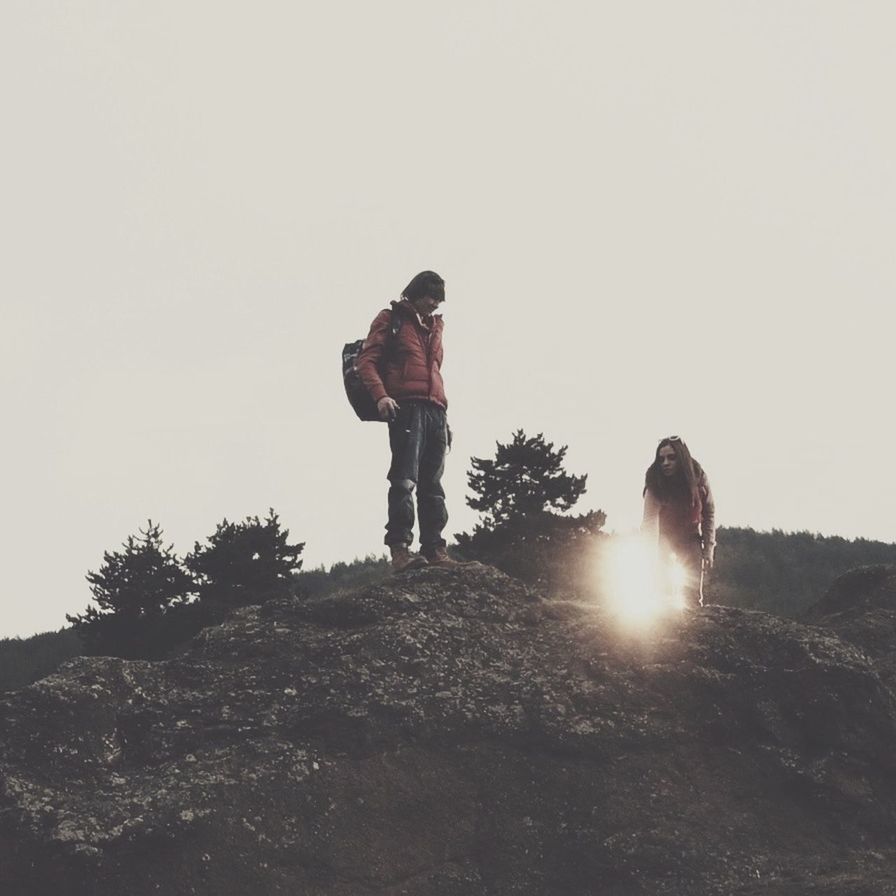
686	481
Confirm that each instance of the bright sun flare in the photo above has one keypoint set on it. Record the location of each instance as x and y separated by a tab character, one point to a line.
638	590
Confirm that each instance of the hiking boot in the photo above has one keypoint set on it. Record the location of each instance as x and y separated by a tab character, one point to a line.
403	559
439	557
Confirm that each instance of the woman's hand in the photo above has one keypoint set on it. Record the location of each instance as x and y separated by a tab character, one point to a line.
709	551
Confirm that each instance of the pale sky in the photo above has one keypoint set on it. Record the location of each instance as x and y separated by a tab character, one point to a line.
653	218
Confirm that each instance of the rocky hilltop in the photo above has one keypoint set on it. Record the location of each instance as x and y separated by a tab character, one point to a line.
861	608
449	733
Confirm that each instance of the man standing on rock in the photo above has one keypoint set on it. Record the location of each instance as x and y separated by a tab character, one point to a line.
400	365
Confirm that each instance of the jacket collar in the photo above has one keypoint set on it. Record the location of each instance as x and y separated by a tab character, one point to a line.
428	322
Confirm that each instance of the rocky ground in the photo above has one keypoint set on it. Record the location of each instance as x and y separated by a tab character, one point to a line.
861	608
449	733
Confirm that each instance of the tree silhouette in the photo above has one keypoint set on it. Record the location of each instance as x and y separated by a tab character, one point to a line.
526	477
133	590
519	493
244	563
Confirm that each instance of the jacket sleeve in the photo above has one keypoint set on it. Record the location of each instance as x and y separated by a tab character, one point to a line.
371	355
708	523
650	523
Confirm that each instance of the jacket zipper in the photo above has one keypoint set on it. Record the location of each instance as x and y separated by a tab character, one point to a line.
426	354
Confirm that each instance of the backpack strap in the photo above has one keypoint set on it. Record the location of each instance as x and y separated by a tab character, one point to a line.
394	326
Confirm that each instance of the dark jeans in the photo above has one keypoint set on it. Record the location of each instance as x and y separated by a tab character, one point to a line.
418	437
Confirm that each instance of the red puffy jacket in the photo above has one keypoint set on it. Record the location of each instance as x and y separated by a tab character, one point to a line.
407	365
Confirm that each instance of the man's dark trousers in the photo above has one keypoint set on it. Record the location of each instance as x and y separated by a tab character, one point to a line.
418	437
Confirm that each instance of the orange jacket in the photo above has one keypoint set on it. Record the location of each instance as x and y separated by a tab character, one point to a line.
408	365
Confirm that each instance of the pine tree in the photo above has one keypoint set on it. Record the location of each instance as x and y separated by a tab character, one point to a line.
525	478
245	563
133	589
522	493
143	578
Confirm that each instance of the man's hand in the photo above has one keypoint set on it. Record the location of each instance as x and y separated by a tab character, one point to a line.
387	408
709	552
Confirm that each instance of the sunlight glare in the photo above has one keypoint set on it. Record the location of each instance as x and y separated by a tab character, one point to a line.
634	582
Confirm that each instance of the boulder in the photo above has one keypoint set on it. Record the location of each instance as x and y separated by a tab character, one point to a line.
860	606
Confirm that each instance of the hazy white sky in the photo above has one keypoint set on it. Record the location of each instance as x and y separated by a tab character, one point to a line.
652	218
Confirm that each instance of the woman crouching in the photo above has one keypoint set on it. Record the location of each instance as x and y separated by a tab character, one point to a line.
679	515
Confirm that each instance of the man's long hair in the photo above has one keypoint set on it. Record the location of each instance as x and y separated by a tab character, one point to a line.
686	481
426	283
